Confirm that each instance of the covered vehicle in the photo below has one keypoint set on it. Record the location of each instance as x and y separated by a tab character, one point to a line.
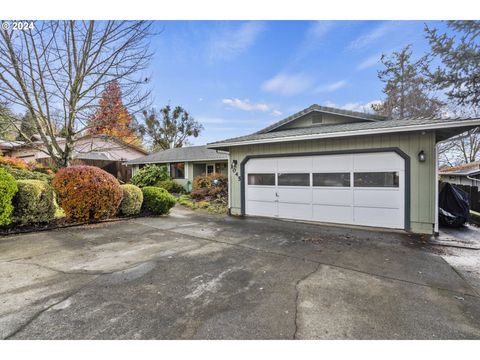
454	206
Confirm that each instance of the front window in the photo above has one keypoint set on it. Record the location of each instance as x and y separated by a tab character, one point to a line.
221	168
177	170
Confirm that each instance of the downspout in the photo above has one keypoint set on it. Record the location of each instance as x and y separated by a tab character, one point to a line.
473	179
436	225
228	180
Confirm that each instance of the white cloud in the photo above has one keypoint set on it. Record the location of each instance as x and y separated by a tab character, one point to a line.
276	113
228	43
355	106
246	105
370	37
313	38
369	62
332	87
287	84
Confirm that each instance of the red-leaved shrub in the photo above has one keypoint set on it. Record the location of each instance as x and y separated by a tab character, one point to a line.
87	193
209	187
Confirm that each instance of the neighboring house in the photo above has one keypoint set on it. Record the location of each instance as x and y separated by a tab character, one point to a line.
466	174
185	163
336	166
106	152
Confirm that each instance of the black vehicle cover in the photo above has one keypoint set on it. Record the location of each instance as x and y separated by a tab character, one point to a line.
454	206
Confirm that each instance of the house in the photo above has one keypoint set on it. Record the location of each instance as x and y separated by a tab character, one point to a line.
344	167
185	163
106	152
466	174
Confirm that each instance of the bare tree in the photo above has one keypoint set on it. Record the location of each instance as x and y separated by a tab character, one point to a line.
464	148
56	72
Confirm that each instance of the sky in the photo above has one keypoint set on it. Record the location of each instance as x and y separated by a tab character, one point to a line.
236	77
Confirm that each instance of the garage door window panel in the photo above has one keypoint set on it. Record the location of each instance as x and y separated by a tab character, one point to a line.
294	179
377	179
332	179
261	179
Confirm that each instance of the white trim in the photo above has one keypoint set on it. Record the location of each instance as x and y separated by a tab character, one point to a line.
272	127
435	226
451	124
130	163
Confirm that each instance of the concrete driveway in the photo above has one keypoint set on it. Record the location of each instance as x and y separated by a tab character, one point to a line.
198	276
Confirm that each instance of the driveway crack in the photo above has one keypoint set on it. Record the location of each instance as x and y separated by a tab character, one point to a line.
297	296
39	313
277	253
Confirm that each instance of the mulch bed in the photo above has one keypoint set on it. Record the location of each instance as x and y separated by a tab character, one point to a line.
60	224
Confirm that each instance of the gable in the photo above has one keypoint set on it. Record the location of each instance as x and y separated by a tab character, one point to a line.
317	118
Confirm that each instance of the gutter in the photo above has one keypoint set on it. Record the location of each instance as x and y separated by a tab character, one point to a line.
452	124
172	161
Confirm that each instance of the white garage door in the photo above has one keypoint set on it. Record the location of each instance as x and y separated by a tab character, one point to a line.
360	189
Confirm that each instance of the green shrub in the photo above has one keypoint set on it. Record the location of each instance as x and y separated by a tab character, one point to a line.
150	175
34	202
22	174
132	200
87	193
171	186
157	200
8	188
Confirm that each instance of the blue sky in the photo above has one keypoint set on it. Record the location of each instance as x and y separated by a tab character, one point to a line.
236	77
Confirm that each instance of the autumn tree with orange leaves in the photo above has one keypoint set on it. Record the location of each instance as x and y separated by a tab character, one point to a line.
112	117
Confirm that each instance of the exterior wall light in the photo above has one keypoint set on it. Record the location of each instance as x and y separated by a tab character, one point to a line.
421	156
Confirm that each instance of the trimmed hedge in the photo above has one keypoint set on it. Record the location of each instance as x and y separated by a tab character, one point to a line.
171	186
132	200
87	193
150	175
8	188
22	174
34	202
157	200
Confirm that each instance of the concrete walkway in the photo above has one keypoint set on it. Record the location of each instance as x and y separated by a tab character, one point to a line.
197	276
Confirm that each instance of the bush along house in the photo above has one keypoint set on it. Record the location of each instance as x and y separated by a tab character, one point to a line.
186	163
343	167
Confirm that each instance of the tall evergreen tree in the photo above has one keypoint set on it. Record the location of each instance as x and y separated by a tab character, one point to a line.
459	76
459	53
27	128
406	87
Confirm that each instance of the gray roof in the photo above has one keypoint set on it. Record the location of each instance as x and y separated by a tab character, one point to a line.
352	128
190	153
324	109
92	155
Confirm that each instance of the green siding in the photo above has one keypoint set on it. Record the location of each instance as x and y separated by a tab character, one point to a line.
422	176
327	119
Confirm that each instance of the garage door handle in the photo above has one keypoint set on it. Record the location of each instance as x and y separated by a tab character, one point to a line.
276	194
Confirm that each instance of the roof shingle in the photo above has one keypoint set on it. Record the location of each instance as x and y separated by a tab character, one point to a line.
190	153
